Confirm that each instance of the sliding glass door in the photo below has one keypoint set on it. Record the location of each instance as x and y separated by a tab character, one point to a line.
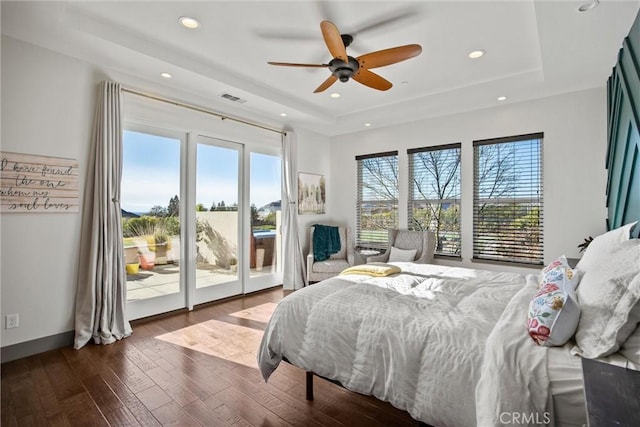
201	219
151	220
265	220
218	219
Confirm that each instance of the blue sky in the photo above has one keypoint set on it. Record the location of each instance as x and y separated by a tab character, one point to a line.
151	174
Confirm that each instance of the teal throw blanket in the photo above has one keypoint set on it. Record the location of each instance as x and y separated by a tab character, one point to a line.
326	241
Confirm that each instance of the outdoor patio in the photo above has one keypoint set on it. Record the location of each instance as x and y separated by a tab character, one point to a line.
164	279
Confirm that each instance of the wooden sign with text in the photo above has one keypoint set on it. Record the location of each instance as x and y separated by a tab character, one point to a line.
38	184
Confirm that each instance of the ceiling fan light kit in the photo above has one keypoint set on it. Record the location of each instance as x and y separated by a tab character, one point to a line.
344	70
344	67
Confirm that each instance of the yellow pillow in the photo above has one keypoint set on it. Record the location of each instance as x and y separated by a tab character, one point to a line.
375	269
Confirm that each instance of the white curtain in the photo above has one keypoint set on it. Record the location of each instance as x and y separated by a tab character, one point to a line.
293	276
101	292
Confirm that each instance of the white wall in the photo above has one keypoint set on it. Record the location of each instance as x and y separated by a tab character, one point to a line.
314	156
574	127
48	103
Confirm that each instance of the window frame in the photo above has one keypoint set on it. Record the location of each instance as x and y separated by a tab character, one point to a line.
521	196
381	241
456	199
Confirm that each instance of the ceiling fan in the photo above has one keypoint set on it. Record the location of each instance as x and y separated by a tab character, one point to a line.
343	67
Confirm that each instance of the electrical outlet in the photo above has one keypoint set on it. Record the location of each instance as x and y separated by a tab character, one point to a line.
11	321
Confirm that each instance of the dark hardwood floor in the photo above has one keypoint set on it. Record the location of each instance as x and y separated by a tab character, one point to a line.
184	369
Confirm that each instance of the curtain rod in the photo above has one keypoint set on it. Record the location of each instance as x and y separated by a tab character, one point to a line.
201	110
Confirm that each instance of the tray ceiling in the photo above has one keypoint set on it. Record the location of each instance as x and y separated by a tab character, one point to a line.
533	49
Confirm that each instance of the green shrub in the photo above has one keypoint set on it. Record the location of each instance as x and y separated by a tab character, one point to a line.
142	226
151	225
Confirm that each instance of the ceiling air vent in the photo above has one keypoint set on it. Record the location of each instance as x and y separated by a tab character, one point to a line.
233	98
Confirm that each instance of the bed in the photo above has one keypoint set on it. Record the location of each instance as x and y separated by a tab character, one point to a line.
446	344
404	323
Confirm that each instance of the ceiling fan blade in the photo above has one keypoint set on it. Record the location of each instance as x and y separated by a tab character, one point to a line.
388	20
371	79
289	34
290	64
333	39
389	56
331	80
326	10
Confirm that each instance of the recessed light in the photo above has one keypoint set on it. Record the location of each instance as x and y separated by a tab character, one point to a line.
477	54
367	124
335	95
588	6
502	98
283	114
166	75
189	22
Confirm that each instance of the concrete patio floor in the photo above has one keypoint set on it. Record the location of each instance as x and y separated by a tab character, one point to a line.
164	279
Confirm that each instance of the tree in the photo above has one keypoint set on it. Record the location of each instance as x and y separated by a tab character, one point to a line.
213	206
255	220
379	201
494	185
200	208
383	174
270	219
507	218
174	206
527	226
158	210
436	193
495	173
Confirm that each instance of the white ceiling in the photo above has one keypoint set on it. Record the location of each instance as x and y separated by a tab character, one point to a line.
534	49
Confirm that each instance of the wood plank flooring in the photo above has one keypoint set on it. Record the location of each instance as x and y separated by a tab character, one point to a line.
183	369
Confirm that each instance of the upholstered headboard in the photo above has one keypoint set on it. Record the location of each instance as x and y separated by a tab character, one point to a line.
623	152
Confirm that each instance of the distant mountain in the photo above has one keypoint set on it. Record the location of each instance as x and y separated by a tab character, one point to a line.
272	207
127	214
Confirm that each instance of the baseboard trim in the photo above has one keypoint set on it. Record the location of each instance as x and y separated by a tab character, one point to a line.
40	345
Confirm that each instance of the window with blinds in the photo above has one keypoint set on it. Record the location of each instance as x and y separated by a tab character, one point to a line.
507	199
434	194
377	199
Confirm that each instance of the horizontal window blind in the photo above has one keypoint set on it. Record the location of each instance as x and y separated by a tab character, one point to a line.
507	199
377	199
434	195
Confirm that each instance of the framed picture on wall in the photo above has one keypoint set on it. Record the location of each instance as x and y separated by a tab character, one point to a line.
312	196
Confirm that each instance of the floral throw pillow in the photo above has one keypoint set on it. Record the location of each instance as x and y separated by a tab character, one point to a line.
554	311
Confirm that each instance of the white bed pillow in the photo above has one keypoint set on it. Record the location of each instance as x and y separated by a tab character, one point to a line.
402	255
603	245
609	297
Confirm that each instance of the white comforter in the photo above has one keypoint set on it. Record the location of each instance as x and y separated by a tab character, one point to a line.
417	340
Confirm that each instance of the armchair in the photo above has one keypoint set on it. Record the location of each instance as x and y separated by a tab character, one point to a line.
424	242
320	270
